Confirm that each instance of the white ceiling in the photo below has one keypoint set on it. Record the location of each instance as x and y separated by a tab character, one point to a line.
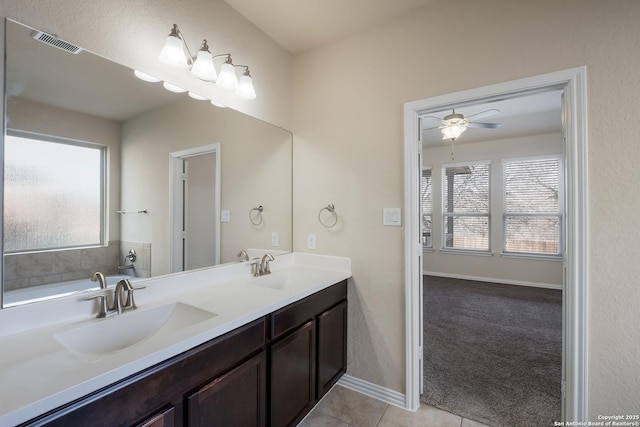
298	25
533	114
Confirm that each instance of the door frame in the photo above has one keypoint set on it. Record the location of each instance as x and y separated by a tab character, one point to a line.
576	275
175	190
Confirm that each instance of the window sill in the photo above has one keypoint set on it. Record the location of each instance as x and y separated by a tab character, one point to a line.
536	257
429	250
465	252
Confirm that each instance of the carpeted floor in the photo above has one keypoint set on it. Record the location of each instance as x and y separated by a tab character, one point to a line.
493	352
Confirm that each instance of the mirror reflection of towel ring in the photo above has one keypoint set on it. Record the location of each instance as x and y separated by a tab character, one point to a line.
331	209
256	218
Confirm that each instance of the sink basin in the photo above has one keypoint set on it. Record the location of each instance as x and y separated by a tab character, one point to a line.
288	278
109	335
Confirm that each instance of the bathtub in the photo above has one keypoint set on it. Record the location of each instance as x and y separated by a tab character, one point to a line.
44	292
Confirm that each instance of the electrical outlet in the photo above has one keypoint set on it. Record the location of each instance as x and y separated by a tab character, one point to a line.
275	239
225	216
311	241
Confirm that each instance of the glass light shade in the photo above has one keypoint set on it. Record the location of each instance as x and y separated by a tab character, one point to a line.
173	52
453	132
227	78
173	88
146	77
217	104
203	67
245	88
197	96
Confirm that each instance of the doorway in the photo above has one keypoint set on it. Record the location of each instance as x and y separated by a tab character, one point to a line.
573	85
195	201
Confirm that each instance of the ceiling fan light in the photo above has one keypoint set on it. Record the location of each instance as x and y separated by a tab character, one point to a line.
453	131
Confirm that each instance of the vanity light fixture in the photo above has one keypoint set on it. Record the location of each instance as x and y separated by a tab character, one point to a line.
202	66
197	96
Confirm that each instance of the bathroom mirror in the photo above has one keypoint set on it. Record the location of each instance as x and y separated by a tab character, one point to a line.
158	158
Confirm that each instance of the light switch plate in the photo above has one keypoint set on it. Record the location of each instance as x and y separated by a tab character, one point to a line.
392	217
275	239
225	216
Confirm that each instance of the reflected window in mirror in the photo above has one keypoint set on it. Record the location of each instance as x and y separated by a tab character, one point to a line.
54	193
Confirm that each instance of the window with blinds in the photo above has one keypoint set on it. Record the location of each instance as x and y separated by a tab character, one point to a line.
426	195
533	206
466	201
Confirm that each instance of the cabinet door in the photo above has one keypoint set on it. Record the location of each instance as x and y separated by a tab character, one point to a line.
293	371
165	418
237	398
332	347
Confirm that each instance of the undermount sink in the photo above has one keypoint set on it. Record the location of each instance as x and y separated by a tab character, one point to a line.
287	278
109	335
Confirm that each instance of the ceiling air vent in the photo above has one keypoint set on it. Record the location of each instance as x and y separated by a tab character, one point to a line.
54	41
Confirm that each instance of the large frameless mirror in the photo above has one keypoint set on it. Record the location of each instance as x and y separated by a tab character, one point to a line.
106	172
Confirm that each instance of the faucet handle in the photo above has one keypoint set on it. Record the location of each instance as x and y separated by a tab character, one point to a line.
103	310
130	303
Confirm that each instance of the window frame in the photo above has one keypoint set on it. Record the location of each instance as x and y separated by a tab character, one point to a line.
559	214
104	187
422	214
445	215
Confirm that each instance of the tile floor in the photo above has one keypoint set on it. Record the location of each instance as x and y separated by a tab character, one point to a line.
342	407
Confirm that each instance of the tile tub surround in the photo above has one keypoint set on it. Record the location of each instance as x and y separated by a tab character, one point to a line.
228	291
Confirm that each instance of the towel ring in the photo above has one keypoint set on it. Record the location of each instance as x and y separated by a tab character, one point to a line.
256	219
331	209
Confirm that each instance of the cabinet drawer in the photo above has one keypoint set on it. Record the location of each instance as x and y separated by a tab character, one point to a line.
297	313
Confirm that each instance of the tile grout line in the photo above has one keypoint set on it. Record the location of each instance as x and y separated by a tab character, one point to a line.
382	415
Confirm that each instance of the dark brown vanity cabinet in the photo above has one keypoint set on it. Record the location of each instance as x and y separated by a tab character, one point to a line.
270	372
307	352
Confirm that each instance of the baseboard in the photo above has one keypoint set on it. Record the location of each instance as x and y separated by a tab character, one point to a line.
495	280
383	394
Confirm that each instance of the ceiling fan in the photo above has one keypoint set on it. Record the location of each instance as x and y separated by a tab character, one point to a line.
454	124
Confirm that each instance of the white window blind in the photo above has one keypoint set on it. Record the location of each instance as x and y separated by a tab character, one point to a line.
426	194
532	206
466	202
53	194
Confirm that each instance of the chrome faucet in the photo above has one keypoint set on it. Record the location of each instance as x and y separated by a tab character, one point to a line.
122	298
260	267
264	263
244	256
99	277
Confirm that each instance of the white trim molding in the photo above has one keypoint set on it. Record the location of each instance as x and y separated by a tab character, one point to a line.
575	287
495	280
383	394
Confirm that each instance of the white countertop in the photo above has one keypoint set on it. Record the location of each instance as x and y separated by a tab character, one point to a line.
38	374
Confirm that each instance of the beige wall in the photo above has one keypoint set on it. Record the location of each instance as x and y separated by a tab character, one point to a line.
133	32
495	267
255	170
348	124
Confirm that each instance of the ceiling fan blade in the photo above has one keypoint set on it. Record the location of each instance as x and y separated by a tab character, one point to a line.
484	125
433	127
483	114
